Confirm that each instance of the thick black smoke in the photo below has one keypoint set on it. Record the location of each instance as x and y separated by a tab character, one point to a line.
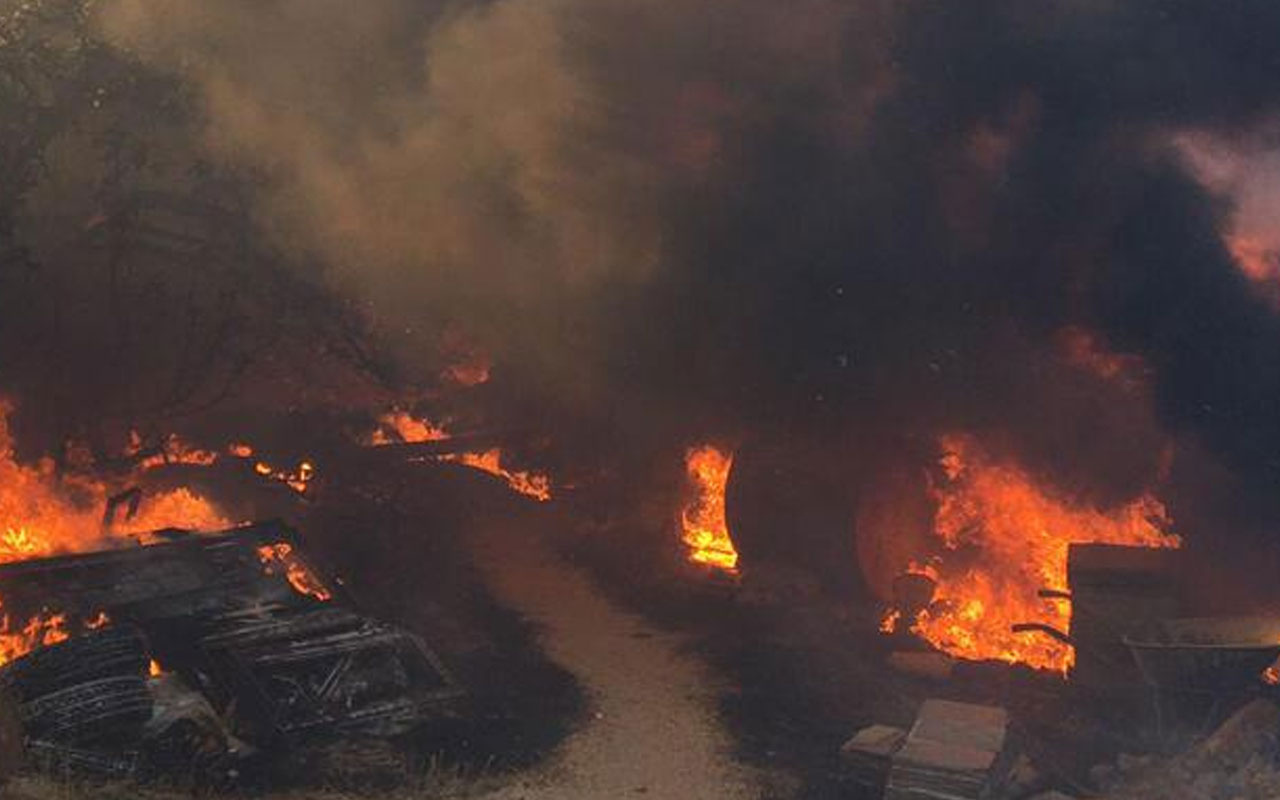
738	218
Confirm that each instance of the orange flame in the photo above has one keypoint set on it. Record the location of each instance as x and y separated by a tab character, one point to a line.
401	426
1002	538
40	631
173	450
530	484
299	479
1259	262
705	527
408	428
44	514
281	555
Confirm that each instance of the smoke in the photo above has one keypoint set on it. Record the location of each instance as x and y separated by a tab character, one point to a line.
685	219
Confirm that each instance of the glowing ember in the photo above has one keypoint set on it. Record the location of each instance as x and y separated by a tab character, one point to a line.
174	451
705	527
401	426
1001	539
530	484
281	556
298	479
40	631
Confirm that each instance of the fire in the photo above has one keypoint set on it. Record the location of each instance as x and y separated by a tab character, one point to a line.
400	426
178	508
407	428
1271	676
277	556
173	450
530	484
705	526
45	514
40	631
19	545
298	479
1002	538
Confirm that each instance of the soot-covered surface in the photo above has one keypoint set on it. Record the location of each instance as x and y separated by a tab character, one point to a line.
400	538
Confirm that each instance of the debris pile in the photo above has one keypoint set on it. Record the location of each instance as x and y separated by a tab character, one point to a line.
951	752
1140	716
869	754
207	650
1238	761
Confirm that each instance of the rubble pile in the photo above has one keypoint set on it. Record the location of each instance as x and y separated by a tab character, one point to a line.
208	650
1140	716
1239	761
951	752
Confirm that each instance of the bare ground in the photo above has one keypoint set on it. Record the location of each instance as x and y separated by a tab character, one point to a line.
653	728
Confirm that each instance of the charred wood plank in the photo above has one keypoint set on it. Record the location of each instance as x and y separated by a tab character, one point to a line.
110	652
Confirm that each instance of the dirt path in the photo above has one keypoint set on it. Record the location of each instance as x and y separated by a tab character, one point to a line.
652	730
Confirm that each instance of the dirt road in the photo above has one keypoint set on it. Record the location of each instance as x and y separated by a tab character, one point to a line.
652	729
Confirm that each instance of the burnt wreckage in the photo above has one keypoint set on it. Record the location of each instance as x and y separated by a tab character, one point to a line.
207	647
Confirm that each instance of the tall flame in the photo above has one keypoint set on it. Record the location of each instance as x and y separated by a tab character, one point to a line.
1002	538
43	514
705	526
38	515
